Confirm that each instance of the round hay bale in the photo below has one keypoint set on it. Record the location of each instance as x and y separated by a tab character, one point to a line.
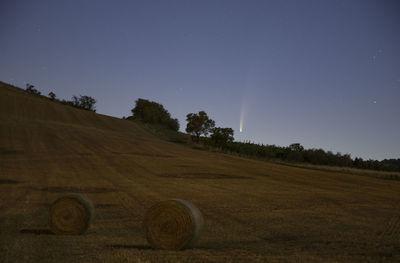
173	224
71	215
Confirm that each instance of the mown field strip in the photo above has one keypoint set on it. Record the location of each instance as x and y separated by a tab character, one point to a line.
253	211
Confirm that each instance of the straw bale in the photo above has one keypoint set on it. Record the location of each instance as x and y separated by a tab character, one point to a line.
174	224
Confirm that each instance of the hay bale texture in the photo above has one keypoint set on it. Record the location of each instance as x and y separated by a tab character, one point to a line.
71	215
173	224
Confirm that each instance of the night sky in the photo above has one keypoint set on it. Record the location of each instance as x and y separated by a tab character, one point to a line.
325	74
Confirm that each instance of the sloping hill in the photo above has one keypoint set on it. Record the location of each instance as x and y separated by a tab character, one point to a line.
254	211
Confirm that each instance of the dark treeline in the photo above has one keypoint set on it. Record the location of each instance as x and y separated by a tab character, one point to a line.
222	138
82	102
296	153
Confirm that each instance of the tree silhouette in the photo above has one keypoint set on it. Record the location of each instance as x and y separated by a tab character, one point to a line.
31	89
153	112
84	102
220	137
296	147
198	124
52	95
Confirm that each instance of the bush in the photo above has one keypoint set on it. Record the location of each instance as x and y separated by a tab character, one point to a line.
31	89
84	102
220	137
52	95
153	112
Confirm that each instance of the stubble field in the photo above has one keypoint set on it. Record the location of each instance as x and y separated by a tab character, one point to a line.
254	211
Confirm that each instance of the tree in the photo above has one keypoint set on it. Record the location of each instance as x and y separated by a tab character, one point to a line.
295	152
153	112
52	95
198	124
172	124
296	147
84	102
220	137
358	163
31	89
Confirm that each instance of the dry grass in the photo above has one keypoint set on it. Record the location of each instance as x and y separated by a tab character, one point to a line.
276	214
346	170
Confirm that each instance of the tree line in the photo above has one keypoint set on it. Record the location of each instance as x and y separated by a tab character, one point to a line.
81	102
296	153
203	130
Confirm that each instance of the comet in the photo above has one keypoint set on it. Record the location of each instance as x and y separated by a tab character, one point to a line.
242	114
248	83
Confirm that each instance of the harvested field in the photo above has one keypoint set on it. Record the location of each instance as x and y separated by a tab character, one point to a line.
8	181
36	231
92	190
203	176
274	213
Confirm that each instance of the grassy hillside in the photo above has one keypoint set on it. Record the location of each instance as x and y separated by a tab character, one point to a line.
254	211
